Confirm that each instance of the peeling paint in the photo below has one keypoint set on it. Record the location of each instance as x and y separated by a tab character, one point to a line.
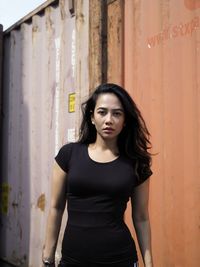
62	10
49	20
4	198
41	202
115	42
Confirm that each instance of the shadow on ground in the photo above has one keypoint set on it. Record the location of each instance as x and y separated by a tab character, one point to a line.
4	264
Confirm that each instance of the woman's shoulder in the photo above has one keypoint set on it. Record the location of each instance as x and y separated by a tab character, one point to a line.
69	147
67	154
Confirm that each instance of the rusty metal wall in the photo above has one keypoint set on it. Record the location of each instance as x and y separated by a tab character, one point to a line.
44	70
115	41
161	71
160	46
98	59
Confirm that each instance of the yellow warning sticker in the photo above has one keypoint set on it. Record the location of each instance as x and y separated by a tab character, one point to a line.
71	102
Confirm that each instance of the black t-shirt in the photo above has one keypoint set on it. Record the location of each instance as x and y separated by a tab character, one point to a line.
97	194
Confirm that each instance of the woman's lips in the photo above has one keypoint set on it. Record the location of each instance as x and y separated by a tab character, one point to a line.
108	129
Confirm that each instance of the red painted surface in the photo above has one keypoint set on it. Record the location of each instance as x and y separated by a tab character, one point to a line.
161	72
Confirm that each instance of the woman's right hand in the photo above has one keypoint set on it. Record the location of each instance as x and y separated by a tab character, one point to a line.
48	264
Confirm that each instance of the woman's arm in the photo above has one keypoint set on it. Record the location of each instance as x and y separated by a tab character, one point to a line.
57	206
140	215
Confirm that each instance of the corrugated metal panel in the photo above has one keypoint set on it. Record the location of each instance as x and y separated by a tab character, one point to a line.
115	41
162	66
161	72
82	56
97	43
40	114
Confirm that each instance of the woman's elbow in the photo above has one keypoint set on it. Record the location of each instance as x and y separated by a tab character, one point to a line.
140	216
58	206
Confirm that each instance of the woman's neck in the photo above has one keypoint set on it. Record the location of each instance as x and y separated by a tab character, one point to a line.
106	145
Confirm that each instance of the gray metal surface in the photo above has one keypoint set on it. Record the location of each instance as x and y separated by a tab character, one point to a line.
40	87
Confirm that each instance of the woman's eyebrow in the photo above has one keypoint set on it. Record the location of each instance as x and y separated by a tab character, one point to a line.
114	109
118	109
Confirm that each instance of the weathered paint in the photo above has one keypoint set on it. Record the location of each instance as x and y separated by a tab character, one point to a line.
41	202
4	197
82	57
115	41
161	71
106	42
44	62
96	38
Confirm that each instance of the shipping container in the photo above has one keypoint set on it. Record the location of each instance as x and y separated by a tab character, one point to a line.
154	52
42	53
61	52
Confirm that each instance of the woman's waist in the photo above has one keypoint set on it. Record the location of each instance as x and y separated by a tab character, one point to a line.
110	243
95	219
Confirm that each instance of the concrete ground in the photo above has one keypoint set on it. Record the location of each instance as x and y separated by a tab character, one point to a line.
4	264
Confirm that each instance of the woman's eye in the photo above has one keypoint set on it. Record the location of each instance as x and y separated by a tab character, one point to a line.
101	112
117	114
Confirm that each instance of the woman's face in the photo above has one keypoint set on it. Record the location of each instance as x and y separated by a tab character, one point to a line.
108	116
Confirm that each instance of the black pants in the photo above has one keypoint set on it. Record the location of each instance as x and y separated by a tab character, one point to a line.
73	263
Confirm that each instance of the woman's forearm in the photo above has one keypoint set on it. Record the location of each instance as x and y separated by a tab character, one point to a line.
52	233
143	232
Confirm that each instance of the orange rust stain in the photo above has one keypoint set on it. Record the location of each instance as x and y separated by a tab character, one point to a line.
41	202
192	4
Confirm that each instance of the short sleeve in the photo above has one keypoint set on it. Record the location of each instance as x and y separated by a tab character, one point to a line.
144	174
63	157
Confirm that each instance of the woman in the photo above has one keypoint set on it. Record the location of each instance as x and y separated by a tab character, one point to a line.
97	175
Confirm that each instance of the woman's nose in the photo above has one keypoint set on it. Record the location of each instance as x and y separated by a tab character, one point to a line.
109	118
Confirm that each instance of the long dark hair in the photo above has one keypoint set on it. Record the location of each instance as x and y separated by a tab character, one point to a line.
134	139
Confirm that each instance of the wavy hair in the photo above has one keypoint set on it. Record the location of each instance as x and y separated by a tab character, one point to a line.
134	139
